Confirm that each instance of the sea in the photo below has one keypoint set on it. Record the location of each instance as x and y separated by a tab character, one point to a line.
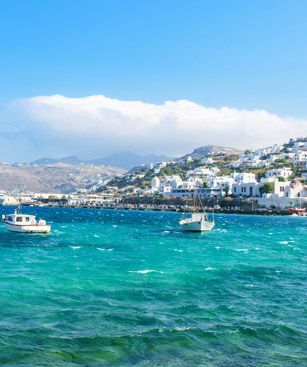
129	288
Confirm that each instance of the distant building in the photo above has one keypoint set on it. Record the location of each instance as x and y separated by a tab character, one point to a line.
6	200
300	158
284	172
155	183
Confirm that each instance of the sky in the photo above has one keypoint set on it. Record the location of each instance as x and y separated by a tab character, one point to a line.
89	77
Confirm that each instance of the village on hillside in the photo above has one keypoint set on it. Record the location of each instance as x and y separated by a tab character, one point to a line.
274	177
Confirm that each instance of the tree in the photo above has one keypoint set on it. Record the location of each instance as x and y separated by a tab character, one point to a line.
267	188
226	189
281	179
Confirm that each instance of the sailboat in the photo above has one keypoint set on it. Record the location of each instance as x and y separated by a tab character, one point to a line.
199	221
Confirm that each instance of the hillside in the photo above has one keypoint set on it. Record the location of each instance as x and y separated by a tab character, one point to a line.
125	160
128	160
54	177
209	150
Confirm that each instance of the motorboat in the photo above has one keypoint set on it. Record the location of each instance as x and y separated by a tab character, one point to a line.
199	221
25	223
298	212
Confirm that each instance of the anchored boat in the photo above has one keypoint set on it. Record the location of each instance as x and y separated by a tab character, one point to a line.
25	223
199	221
298	212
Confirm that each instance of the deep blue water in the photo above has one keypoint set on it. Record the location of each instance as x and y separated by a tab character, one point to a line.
125	288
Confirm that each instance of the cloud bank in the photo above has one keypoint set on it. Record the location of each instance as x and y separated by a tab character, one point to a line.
97	124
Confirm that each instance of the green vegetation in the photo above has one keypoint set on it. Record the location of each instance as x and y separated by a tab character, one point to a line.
281	162
174	169
226	189
267	188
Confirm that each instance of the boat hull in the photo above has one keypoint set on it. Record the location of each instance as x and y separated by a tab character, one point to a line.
199	226
28	228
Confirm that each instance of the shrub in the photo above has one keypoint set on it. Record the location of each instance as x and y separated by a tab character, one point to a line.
267	188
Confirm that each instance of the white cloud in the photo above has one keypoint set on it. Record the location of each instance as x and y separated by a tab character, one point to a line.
100	124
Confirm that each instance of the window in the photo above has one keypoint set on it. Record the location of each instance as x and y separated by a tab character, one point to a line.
18	219
27	219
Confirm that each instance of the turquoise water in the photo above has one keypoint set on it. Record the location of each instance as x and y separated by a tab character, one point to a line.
124	288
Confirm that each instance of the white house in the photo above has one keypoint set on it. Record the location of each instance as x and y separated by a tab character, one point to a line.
279	172
155	183
295	190
189	159
201	172
245	185
285	195
244	177
207	160
249	189
174	181
278	189
300	158
221	183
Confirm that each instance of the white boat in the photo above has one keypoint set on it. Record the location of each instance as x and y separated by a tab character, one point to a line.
25	223
199	221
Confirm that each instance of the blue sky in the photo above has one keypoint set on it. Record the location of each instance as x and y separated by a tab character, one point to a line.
241	54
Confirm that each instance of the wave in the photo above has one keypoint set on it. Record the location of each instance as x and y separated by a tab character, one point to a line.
146	271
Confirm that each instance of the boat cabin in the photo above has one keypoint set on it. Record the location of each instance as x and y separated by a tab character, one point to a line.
20	219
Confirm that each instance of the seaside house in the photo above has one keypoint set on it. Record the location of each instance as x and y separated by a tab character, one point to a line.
245	185
295	190
223	184
285	194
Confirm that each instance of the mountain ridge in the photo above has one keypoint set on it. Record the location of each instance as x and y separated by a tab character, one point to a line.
123	159
208	150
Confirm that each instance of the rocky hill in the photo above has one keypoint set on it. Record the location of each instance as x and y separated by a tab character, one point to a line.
53	177
212	150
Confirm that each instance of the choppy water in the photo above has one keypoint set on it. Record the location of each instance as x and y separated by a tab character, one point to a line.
118	288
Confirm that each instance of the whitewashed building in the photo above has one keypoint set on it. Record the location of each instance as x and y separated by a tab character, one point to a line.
300	158
155	183
245	185
284	172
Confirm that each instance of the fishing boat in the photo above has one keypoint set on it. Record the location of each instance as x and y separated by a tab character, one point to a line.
199	221
25	223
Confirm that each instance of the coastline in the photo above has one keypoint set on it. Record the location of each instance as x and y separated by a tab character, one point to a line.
168	208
